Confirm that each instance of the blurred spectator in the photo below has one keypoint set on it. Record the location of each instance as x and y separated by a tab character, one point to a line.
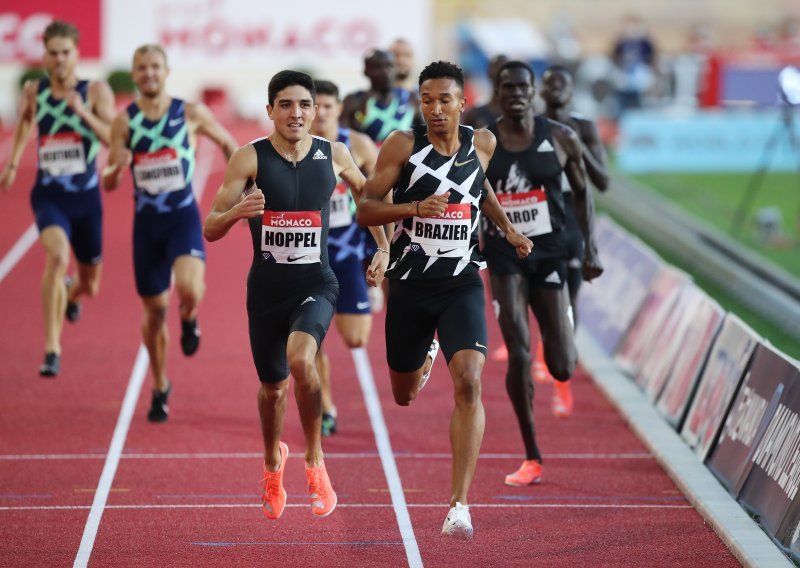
634	56
566	47
403	63
483	115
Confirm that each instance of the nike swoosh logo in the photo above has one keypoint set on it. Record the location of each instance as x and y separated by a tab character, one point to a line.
440	251
362	305
296	258
479	345
459	164
175	121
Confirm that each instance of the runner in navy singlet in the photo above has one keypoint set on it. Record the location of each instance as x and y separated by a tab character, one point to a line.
526	169
73	117
156	136
346	243
283	185
436	175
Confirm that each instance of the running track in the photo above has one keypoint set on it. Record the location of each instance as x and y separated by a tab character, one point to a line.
84	478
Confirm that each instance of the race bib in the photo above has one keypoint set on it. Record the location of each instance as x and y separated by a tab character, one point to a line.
528	212
341	215
62	154
158	172
445	236
291	237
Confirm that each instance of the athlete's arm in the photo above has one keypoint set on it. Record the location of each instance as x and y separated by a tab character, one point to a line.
205	123
372	207
594	154
485	143
98	112
119	155
364	151
231	203
350	106
584	204
22	133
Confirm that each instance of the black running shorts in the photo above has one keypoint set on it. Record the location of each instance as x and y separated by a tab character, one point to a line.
416	309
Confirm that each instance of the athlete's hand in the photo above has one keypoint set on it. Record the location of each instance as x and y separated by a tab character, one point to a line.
433	205
592	267
251	205
520	242
377	268
120	157
7	177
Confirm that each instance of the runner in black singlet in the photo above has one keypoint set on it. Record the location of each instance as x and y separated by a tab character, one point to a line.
526	169
283	184
436	175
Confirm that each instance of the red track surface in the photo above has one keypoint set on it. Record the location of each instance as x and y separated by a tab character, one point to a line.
186	492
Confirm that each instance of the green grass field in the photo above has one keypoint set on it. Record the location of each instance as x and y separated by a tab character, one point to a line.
715	198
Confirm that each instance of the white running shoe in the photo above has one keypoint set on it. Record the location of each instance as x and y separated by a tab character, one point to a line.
458	523
433	351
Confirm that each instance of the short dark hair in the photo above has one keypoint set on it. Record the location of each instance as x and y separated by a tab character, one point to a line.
514	64
326	88
60	28
288	78
558	69
442	70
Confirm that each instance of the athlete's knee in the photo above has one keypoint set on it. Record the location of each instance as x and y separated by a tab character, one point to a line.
355	338
155	317
401	390
467	383
301	365
92	287
563	367
190	291
58	259
272	393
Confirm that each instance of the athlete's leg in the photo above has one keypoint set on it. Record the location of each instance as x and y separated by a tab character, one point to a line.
189	284
467	421
511	293
155	336
324	372
54	293
272	408
551	307
301	351
86	281
354	328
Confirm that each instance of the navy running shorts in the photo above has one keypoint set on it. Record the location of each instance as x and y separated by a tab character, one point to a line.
353	296
79	213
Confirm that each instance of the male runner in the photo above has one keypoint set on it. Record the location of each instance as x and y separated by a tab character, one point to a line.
346	243
403	61
73	116
283	184
156	135
556	92
484	115
436	174
532	152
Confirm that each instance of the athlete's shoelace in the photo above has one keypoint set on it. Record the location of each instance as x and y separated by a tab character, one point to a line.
316	487
272	485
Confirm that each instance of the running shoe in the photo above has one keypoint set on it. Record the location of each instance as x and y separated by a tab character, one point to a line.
159	411
458	523
328	424
500	354
73	310
51	366
433	351
320	493
273	498
561	404
541	374
190	337
529	473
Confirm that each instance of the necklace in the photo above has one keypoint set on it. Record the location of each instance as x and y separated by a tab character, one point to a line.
290	156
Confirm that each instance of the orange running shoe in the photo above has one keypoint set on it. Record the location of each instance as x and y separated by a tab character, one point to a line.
320	492
530	472
273	500
541	374
561	405
500	354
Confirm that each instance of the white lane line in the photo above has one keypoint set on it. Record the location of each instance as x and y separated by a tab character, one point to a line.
332	455
204	163
20	248
367	381
357	506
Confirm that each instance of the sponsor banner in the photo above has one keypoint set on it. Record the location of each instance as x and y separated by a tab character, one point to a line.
716	141
772	487
247	33
657	306
695	343
665	348
22	25
724	370
770	374
609	304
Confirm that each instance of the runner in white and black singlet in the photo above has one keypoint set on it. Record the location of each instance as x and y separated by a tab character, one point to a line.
291	289
532	152
436	176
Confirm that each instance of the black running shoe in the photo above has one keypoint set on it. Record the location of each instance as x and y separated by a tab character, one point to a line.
328	424
159	411
51	365
190	337
73	311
